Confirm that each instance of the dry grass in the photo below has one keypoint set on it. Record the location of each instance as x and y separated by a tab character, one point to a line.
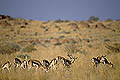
84	43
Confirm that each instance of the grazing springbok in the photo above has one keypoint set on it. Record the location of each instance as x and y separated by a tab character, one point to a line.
95	61
20	64
101	59
104	60
34	63
46	65
7	66
23	64
17	63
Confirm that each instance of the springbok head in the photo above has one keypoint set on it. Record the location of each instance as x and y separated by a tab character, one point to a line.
73	58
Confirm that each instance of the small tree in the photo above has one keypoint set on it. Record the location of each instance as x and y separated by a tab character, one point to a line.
96	18
93	18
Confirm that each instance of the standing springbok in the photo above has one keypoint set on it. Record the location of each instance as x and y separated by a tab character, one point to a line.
104	60
34	63
7	66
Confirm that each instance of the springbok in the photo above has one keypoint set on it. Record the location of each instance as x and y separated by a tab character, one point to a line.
20	64
104	60
68	62
23	64
7	66
54	62
17	63
46	65
95	61
34	63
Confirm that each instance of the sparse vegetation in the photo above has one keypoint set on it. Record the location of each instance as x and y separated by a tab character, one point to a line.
46	40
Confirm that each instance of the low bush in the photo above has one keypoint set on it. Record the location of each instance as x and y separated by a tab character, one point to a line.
59	21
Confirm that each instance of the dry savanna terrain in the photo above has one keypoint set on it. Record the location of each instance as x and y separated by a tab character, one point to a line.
48	39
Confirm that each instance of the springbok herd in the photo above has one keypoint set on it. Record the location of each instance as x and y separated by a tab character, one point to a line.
46	65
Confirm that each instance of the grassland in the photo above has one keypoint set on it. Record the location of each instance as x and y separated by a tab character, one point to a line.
46	40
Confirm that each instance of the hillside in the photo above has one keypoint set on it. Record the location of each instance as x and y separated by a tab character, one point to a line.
48	39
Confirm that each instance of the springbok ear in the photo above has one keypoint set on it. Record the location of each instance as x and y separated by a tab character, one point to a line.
76	57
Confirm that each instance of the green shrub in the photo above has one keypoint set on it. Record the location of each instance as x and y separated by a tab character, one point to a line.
36	33
59	21
8	48
93	18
